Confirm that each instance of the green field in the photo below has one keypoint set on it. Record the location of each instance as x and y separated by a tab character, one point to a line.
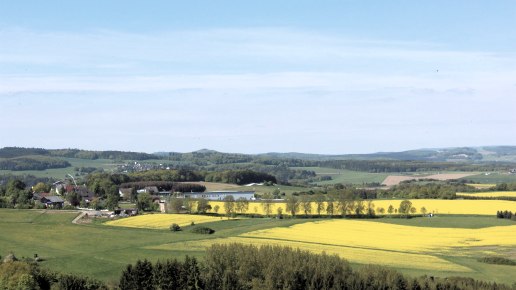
102	251
97	250
444	221
345	176
493	177
60	173
262	189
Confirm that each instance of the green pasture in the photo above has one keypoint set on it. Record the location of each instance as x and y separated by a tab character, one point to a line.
60	173
345	176
262	189
492	177
446	221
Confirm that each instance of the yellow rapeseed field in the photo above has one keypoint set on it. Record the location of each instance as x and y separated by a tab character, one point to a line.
436	206
352	254
161	221
369	242
375	235
489	194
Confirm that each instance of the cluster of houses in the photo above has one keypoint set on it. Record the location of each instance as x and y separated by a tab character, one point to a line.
54	199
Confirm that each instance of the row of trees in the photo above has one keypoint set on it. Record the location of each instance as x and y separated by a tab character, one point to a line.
237	266
294	206
505	214
11	152
28	163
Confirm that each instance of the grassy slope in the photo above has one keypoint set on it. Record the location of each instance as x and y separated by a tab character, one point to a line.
98	250
101	251
62	172
346	176
494	177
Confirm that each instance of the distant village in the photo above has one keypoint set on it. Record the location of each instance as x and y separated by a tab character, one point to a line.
56	197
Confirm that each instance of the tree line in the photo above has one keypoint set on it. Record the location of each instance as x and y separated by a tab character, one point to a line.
165	186
26	274
505	214
32	163
11	152
238	266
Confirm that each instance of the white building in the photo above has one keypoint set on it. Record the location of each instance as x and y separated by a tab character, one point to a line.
219	195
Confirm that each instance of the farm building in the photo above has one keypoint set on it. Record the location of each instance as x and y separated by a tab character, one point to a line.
219	195
52	201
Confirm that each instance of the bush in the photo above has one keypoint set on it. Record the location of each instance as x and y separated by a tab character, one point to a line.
203	230
497	261
175	227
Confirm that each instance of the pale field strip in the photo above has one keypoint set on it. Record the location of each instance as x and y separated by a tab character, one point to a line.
396	179
481	185
489	194
436	206
355	255
161	221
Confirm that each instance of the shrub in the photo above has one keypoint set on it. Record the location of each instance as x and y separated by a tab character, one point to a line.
175	227
497	261
203	230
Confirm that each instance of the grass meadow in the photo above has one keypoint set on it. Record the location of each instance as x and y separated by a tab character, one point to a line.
441	246
345	176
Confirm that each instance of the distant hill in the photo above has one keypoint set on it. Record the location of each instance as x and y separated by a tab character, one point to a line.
464	154
12	152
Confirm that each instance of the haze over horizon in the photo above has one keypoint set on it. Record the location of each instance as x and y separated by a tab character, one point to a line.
336	77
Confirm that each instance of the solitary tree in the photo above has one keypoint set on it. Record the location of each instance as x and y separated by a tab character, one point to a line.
279	211
229	205
329	208
306	204
242	205
292	205
405	207
390	210
203	205
319	203
143	201
267	204
423	210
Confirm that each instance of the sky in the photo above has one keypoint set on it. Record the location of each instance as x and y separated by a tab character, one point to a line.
331	77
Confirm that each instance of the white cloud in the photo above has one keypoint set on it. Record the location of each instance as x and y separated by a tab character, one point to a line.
257	89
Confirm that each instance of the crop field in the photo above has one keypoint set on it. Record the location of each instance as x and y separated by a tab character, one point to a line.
60	173
396	179
262	189
481	185
345	176
432	249
489	194
161	221
492	177
417	247
436	206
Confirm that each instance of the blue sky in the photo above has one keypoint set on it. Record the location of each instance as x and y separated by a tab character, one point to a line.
235	76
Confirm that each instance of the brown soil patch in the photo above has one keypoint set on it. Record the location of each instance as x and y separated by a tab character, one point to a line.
396	179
